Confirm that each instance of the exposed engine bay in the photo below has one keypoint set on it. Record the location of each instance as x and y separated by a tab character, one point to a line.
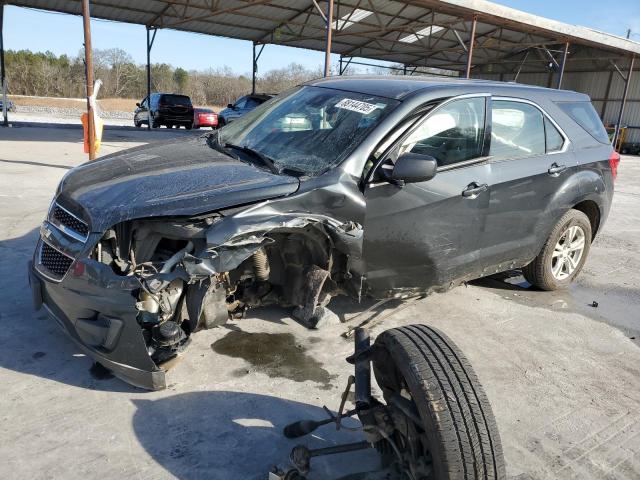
196	273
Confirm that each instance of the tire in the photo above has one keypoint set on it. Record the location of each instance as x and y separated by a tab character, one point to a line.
188	126
136	124
540	271
221	122
460	430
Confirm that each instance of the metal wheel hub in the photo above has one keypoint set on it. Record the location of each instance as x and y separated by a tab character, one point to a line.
568	252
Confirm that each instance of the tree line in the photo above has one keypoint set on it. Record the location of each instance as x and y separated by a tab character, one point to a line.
46	74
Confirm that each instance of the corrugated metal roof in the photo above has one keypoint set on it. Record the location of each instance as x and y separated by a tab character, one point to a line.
412	32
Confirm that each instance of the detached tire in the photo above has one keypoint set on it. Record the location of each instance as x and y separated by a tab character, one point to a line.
543	271
461	435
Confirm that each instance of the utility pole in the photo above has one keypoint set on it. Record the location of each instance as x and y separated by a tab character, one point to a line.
88	62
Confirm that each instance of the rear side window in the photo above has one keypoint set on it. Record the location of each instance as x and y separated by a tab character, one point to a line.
585	115
181	100
555	141
517	130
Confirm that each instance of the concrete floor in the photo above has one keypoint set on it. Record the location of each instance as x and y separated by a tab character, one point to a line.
563	377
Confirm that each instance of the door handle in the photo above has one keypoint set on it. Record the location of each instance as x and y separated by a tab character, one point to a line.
556	169
473	190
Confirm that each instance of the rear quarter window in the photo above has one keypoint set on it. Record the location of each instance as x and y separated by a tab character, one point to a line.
585	115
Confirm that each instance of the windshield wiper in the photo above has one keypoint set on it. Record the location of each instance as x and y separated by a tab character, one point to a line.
271	165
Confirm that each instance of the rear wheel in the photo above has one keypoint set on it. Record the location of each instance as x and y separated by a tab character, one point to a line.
563	254
458	438
188	126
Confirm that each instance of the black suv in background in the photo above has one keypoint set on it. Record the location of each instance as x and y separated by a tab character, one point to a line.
168	109
378	186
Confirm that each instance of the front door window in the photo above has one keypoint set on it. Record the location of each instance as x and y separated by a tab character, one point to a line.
451	134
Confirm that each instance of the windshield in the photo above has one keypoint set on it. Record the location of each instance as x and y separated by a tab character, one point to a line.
310	129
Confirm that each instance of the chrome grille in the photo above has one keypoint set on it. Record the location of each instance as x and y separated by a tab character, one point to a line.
63	218
57	263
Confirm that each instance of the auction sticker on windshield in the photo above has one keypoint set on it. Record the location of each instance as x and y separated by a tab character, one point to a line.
356	106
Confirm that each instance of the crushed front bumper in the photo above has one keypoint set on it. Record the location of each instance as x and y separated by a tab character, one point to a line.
96	308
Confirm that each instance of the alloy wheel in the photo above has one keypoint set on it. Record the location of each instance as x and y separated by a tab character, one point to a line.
568	252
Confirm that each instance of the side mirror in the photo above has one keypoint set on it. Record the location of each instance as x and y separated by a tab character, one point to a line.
413	168
138	104
230	105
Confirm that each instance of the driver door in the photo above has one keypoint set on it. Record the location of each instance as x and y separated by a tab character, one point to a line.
428	234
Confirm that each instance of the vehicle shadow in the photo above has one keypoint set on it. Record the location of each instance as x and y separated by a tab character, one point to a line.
509	280
224	434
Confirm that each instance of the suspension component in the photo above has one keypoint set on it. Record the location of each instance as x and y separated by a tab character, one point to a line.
261	265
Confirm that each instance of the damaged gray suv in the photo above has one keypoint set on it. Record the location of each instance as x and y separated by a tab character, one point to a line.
364	186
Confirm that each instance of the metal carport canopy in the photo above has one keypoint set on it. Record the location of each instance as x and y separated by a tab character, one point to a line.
413	33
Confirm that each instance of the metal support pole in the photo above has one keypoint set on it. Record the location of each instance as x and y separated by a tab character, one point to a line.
472	41
150	40
340	68
148	82
563	62
327	53
254	71
88	62
624	101
255	66
603	109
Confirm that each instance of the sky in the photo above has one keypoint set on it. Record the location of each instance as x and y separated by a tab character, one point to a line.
62	34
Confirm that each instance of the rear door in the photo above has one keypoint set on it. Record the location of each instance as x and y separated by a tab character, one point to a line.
426	234
530	160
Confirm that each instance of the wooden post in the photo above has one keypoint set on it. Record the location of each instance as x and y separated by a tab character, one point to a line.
88	61
473	39
327	53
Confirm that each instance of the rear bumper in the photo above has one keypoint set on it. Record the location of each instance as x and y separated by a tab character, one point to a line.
96	308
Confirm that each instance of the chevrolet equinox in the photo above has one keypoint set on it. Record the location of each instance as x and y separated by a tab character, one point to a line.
364	186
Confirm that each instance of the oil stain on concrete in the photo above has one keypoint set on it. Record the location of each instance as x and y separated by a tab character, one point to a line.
274	354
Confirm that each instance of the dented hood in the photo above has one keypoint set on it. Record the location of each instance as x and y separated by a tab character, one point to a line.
166	179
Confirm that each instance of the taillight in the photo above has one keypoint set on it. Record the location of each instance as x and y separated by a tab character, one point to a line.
614	160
